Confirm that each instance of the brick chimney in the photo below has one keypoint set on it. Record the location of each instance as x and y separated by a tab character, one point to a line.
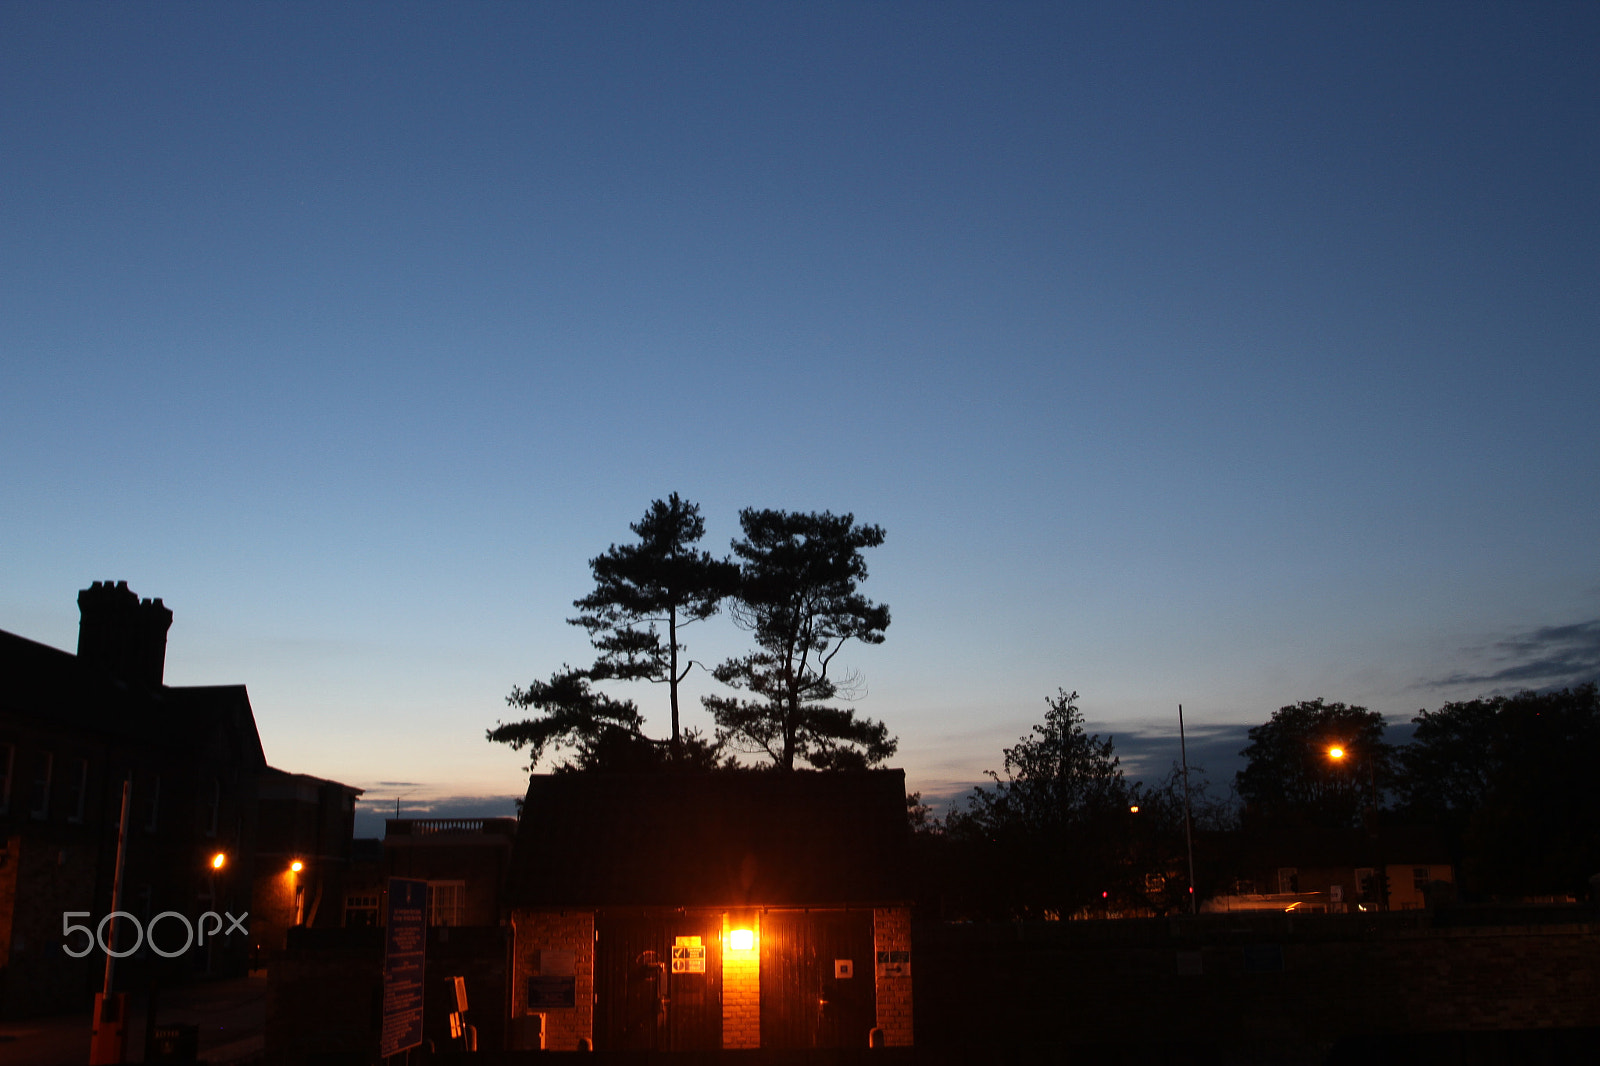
122	634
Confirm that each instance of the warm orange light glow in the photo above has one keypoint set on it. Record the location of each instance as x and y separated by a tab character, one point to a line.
218	861
741	939
1134	809
297	866
1335	752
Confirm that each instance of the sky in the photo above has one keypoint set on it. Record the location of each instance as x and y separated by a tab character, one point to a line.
1222	354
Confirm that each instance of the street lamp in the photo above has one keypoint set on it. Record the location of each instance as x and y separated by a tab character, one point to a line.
1369	818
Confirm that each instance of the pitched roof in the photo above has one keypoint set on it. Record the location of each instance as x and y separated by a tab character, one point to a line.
59	691
724	838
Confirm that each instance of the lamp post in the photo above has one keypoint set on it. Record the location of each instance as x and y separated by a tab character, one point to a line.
1369	819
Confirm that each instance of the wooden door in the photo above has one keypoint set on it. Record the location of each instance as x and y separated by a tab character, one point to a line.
817	985
641	1003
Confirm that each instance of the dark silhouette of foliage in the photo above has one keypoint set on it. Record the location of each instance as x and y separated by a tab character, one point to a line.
1514	781
602	733
798	581
1290	779
1051	837
660	581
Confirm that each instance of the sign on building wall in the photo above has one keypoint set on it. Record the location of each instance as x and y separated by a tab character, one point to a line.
405	944
555	986
688	955
894	964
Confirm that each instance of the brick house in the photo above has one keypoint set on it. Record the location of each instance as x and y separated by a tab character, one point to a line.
72	729
304	847
698	911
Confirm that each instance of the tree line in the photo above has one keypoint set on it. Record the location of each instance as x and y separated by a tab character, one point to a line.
792	582
1509	782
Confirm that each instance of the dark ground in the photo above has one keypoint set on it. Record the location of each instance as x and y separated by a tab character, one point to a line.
229	1015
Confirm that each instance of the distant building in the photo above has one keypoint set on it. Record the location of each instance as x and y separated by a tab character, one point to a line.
1333	871
687	912
464	860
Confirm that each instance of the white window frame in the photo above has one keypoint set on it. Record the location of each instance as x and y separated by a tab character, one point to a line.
362	903
450	910
39	804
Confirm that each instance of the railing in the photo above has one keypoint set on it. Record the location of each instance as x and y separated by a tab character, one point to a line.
434	826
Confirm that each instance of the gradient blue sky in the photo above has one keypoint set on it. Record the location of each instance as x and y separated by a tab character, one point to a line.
1223	354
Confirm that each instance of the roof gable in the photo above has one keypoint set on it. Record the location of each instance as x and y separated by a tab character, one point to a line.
723	838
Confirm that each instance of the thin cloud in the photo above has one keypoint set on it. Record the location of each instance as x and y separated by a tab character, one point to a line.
1547	658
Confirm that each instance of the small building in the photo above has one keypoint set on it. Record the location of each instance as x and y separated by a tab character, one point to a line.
699	911
305	841
1336	871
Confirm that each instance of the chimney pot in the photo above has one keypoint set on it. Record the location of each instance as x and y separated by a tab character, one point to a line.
122	635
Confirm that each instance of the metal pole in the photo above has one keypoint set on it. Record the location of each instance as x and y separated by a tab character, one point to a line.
116	883
1188	835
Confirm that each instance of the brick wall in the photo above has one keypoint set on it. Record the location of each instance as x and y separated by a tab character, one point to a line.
39	977
741	986
539	931
891	932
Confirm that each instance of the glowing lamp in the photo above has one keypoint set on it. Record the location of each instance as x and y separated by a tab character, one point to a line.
742	939
218	861
1335	752
297	866
1134	809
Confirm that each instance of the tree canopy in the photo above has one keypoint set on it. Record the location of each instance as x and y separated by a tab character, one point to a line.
1513	780
1052	835
1290	777
799	579
661	580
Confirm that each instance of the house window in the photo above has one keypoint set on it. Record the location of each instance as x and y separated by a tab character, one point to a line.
8	755
1367	884
152	804
39	798
361	911
446	902
213	806
77	788
1420	879
1288	879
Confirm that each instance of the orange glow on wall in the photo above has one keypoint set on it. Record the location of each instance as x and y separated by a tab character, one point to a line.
741	939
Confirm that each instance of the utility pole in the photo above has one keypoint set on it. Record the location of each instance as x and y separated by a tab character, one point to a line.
106	1041
1188	833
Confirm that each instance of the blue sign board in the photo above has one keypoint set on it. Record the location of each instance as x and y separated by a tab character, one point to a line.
405	941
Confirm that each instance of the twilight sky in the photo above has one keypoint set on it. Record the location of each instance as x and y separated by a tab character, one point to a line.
1222	354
